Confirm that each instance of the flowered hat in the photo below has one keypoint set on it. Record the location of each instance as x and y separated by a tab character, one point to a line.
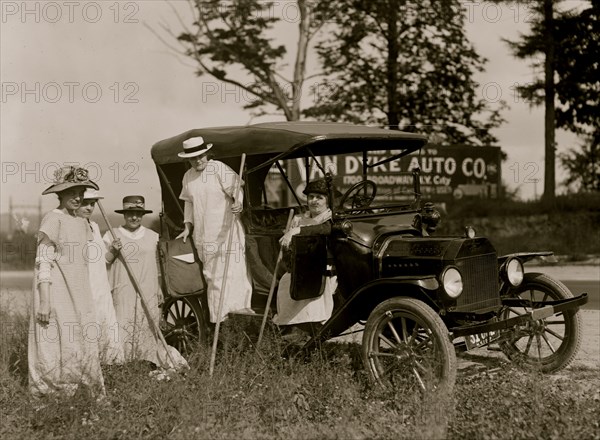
133	204
68	177
193	147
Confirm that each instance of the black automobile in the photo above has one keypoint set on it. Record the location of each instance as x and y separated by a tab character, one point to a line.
417	296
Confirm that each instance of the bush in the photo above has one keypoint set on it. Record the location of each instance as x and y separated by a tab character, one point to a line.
583	202
565	229
18	251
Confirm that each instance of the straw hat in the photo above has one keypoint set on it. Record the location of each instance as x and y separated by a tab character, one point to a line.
193	147
91	194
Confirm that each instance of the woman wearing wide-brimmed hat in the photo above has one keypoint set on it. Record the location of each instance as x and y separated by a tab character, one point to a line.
138	246
61	354
209	216
107	329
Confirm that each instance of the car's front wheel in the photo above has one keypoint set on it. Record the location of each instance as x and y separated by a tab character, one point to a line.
406	346
548	344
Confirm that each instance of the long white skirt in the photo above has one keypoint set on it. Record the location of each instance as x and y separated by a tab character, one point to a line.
290	311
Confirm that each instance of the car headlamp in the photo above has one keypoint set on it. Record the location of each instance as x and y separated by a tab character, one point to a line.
345	227
514	272
469	232
452	282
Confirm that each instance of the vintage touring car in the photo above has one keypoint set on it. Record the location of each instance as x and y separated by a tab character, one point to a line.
419	296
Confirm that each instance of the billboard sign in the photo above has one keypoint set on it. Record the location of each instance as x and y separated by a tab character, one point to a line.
447	173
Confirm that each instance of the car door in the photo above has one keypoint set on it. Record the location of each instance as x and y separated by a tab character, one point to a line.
309	266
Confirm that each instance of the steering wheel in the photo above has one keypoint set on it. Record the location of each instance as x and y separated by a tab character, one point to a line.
359	201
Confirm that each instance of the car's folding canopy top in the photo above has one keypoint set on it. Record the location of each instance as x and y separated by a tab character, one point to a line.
287	138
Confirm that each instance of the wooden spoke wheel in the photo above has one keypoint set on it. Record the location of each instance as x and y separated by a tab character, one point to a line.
184	325
548	344
406	346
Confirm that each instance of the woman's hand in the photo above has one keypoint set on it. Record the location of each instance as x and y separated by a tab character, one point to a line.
43	313
113	250
116	246
236	207
186	232
287	237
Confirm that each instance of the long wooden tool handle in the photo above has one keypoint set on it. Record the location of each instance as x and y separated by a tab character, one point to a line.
213	353
273	282
136	285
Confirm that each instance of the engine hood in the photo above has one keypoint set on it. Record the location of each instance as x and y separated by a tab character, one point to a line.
427	255
368	230
444	248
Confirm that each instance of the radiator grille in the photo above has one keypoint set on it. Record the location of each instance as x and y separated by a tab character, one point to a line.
480	283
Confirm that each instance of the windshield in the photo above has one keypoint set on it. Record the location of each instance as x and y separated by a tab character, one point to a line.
393	179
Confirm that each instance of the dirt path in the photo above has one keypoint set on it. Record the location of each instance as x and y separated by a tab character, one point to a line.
588	272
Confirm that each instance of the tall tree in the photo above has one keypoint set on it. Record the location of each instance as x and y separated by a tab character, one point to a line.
233	42
541	41
406	64
577	70
578	93
568	44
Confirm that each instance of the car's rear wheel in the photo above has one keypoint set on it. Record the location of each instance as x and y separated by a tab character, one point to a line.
548	344
183	324
406	346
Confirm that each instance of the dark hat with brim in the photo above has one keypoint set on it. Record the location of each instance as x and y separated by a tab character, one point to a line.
133	204
316	187
68	177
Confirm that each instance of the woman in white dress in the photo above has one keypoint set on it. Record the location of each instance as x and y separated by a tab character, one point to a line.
208	191
62	351
111	350
314	310
137	245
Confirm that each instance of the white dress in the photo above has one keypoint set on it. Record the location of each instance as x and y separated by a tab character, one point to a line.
291	311
137	336
110	348
64	354
208	196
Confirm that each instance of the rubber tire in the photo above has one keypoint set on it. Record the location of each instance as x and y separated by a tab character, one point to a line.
569	347
421	313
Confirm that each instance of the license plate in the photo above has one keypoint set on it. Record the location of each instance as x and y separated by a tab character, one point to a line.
480	339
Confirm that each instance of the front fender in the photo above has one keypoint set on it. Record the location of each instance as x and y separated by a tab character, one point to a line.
526	256
364	299
368	296
427	282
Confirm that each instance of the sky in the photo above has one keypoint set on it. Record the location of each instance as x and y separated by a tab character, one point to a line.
88	83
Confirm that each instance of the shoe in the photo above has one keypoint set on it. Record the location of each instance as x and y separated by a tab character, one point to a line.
296	336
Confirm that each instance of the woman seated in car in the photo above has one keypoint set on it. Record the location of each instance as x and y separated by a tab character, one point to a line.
292	312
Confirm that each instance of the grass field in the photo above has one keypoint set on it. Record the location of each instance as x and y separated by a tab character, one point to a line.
266	395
